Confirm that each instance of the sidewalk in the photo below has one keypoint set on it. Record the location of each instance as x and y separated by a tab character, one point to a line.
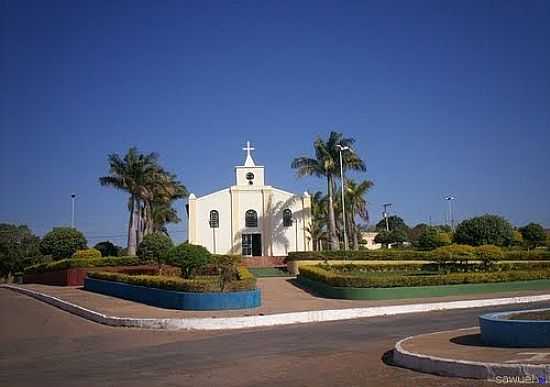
279	295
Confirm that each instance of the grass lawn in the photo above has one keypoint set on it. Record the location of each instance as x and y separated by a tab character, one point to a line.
260	272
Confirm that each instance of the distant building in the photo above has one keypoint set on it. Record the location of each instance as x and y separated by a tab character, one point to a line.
250	218
368	238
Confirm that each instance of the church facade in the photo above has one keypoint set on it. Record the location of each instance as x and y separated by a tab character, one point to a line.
250	218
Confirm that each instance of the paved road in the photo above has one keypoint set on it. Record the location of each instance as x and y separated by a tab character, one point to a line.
44	346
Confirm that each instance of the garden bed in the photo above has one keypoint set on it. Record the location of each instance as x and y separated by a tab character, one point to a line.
378	284
529	329
71	272
202	293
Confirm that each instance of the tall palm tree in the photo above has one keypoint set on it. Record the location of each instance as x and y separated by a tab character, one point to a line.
317	229
357	205
131	174
327	164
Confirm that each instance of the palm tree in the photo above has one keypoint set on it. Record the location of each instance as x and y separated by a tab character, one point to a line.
357	205
131	174
317	228
326	163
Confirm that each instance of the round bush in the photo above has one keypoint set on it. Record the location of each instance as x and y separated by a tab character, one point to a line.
154	246
108	249
485	230
189	258
62	242
87	253
432	238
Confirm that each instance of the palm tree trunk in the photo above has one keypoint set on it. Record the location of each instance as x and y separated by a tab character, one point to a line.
334	243
353	227
132	227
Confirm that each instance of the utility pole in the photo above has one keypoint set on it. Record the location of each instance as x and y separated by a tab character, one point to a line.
73	199
341	149
386	206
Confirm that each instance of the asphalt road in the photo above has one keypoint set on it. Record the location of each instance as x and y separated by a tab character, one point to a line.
43	346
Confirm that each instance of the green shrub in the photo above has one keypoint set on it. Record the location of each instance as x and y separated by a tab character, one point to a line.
188	257
453	257
154	247
108	249
485	230
489	254
62	242
87	254
318	273
403	255
431	238
246	281
75	263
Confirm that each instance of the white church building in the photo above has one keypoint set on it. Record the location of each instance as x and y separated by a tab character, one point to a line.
250	218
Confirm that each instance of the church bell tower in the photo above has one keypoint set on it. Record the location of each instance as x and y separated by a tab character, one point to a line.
249	174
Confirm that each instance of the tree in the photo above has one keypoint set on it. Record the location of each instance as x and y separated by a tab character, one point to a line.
416	232
154	246
327	164
317	229
484	230
189	258
62	242
395	223
357	206
152	192
17	245
391	237
517	238
533	235
431	238
108	249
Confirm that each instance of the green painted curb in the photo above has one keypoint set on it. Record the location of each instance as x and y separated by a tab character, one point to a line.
418	291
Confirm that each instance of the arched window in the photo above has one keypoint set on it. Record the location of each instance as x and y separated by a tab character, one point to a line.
251	218
287	218
214	219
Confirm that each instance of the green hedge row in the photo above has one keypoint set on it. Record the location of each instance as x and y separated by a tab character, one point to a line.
403	255
71	263
434	267
331	278
246	281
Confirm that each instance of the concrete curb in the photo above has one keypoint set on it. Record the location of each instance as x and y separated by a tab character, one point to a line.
463	368
268	320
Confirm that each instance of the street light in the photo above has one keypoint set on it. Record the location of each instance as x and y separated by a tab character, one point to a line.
386	206
73	198
450	199
341	149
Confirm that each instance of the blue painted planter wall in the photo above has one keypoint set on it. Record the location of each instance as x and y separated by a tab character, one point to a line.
496	330
172	299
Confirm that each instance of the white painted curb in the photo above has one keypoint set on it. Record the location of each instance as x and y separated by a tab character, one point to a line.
272	319
463	368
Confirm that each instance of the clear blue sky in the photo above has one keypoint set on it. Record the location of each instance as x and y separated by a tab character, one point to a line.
442	97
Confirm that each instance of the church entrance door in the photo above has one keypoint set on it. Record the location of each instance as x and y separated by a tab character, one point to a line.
252	245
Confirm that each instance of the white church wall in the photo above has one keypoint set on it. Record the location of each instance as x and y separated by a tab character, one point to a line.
219	240
286	239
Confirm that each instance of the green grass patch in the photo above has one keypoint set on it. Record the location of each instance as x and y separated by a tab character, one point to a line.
71	263
260	272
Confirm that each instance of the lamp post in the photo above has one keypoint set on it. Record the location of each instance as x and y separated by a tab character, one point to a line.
341	149
73	199
386	206
450	199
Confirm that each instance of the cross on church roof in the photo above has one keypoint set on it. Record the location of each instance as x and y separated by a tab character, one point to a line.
249	162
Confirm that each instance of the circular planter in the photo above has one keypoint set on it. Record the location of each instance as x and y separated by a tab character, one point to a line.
173	299
497	330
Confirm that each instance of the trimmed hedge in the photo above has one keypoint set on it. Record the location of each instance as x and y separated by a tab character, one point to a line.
75	263
246	281
433	267
404	255
331	278
87	254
